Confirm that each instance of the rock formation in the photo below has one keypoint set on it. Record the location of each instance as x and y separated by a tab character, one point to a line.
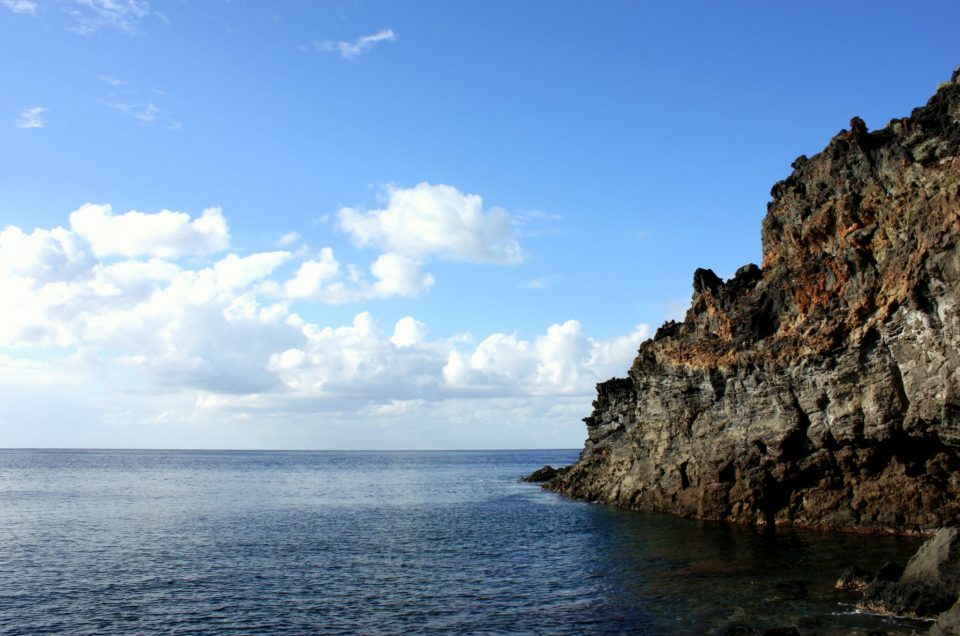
928	586
822	389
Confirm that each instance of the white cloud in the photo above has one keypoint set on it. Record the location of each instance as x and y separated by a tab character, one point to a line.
350	50
123	15
408	332
143	111
323	279
58	294
38	271
218	337
288	239
20	6
499	361
89	16
435	220
561	361
399	275
112	81
562	355
313	276
165	234
43	255
357	363
32	117
360	362
235	272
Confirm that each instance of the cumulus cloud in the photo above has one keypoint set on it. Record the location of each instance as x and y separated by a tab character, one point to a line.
561	361
351	50
435	220
314	276
408	332
32	117
399	275
109	292
37	271
43	255
358	363
362	360
323	279
165	234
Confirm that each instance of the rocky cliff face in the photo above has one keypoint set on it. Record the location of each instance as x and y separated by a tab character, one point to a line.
822	389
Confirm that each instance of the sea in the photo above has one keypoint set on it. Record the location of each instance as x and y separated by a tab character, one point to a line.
244	542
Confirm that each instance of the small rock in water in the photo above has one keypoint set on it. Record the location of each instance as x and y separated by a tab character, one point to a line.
541	475
854	578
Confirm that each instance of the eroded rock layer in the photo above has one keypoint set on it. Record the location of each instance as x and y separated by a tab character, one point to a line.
823	389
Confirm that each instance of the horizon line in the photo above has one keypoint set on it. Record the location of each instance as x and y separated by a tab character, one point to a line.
286	450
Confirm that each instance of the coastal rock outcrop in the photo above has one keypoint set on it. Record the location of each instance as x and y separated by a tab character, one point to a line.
928	586
822	388
543	474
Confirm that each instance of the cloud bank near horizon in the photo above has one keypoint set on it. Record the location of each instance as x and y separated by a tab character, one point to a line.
160	303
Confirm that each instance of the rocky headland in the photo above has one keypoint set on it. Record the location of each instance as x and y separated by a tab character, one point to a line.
822	388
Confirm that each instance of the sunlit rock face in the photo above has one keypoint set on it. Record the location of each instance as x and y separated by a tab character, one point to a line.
822	389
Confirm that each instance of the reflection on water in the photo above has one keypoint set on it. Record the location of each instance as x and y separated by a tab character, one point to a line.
734	576
344	543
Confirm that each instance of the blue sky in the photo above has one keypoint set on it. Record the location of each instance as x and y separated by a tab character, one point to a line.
393	225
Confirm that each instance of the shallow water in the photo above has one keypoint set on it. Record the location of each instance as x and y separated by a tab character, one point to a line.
199	542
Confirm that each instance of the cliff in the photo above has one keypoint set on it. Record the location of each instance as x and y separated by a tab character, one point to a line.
822	389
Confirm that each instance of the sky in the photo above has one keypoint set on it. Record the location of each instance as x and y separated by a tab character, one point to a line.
394	225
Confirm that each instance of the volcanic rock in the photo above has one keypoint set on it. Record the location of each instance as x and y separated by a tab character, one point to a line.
823	388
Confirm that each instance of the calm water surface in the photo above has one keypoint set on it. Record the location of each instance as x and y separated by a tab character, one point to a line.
202	542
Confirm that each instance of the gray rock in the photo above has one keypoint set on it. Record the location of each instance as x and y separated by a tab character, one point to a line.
929	585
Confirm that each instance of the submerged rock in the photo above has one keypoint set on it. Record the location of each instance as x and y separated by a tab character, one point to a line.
822	389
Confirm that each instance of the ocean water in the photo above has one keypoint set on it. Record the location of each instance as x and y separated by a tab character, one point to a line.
206	542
